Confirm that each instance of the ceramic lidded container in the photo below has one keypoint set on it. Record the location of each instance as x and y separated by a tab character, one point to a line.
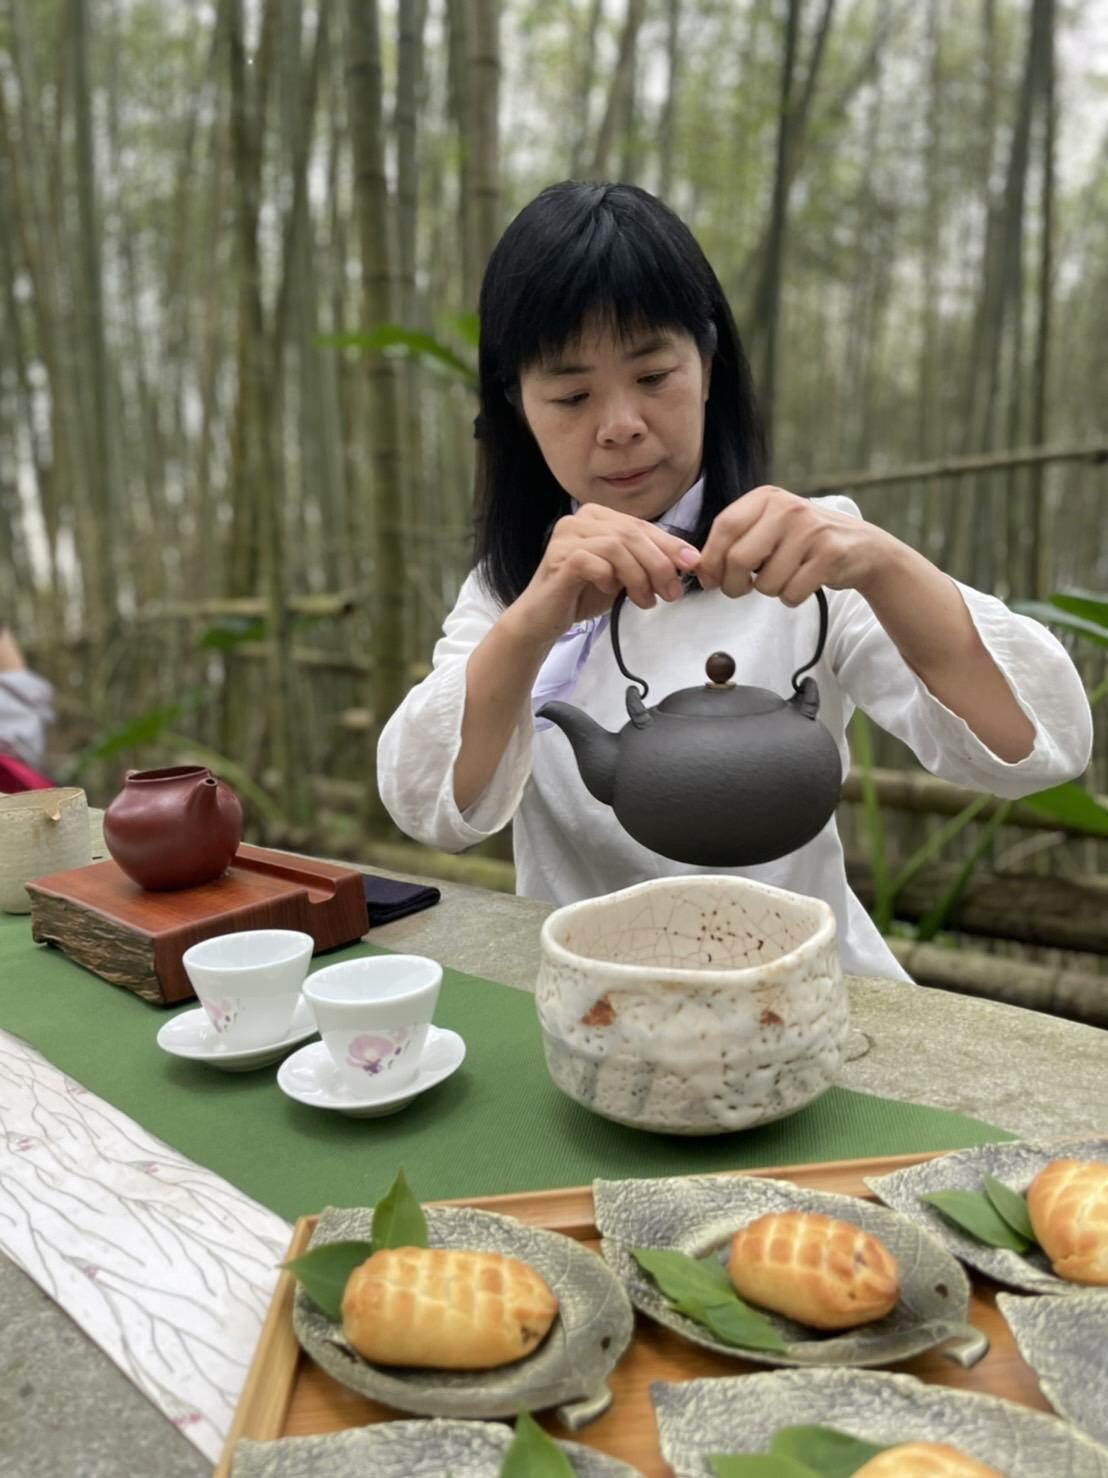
41	832
692	1005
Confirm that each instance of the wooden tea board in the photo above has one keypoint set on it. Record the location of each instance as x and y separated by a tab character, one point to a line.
286	1395
104	921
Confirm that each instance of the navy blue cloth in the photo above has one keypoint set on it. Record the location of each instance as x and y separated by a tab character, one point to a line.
388	899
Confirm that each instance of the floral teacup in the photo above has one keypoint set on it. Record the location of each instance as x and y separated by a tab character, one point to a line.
249	982
373	1016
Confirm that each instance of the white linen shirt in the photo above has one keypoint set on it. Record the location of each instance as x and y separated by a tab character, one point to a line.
569	846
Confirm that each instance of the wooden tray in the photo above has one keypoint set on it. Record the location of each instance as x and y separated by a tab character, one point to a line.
286	1395
104	921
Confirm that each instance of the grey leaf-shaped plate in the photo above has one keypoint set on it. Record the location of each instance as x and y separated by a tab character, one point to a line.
1016	1163
1065	1341
568	1370
419	1449
740	1414
698	1215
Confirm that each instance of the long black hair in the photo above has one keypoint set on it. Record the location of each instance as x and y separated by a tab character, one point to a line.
578	254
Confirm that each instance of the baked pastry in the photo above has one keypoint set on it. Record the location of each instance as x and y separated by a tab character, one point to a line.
925	1460
817	1270
432	1306
1068	1203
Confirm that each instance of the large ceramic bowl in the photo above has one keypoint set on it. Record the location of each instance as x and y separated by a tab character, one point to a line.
693	1005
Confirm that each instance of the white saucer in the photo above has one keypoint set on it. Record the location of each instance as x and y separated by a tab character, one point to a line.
192	1035
310	1077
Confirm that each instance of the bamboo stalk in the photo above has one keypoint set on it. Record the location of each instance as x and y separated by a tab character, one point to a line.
1059	912
336	603
1074	994
909	790
1095	452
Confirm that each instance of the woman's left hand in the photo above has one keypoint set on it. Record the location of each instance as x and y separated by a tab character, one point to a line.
771	541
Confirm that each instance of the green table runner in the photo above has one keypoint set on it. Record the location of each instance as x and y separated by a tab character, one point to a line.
498	1125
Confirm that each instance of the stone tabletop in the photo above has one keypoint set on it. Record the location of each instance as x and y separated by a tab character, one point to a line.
1035	1075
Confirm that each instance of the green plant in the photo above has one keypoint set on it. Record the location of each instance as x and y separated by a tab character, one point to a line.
1083	614
396	341
157	727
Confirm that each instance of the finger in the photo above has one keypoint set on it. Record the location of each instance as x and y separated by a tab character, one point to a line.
749	556
779	565
593	518
660	564
631	549
584	568
735	522
627	569
802	586
679	552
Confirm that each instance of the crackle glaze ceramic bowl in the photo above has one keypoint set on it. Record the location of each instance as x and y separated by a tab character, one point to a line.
693	1005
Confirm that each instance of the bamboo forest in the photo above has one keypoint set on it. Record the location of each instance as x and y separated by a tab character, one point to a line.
241	243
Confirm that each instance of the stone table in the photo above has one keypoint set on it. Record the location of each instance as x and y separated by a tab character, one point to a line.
65	1409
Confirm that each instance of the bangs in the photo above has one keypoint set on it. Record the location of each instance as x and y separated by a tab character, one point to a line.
594	273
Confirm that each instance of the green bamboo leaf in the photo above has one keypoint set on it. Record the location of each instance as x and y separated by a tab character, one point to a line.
467	326
976	1214
831	1453
231	632
142	730
408	341
1072	806
1088	605
323	1271
1011	1206
398	1218
533	1454
1051	615
759	1465
861	743
247	789
701	1289
937	916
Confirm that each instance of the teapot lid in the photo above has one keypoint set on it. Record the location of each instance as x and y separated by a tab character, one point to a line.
719	697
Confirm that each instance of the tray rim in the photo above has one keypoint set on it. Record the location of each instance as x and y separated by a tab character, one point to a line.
267	1391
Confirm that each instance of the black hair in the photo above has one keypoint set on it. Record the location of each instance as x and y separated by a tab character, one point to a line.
576	254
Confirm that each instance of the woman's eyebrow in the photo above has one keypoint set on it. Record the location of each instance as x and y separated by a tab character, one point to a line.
640	351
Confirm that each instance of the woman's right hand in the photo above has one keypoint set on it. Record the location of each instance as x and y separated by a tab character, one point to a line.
591	556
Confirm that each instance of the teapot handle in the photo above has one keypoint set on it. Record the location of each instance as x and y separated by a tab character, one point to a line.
617	606
821	601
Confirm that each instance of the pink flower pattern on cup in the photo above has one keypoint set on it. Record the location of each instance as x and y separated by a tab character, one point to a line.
376	1053
221	1013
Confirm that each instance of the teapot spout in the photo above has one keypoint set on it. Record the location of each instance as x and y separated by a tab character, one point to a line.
595	749
203	800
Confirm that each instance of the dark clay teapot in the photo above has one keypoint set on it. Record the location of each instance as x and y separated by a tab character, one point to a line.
718	775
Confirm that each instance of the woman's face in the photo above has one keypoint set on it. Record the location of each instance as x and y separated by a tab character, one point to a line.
621	422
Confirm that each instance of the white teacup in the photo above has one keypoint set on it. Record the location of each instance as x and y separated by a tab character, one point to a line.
249	982
373	1015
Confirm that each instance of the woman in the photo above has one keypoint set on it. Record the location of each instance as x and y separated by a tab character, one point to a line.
621	448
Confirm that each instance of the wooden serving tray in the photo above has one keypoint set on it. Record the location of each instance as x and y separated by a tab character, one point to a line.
286	1395
106	922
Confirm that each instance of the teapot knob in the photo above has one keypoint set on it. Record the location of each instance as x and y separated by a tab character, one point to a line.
720	668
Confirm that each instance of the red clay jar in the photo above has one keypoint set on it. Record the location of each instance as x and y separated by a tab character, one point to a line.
174	828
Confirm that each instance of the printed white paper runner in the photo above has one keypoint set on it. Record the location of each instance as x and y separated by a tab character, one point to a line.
166	1266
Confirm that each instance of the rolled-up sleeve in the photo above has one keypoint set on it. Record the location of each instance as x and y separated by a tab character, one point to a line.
26	708
420	743
1035	665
